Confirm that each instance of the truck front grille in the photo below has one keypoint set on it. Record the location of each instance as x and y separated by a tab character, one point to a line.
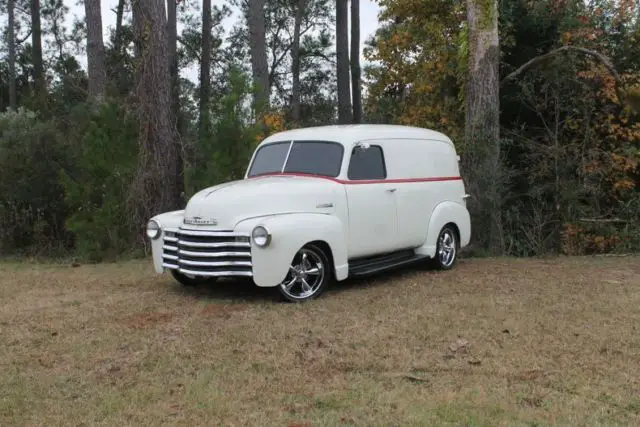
207	253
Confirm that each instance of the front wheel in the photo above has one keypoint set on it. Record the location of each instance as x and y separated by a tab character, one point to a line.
308	276
191	280
446	248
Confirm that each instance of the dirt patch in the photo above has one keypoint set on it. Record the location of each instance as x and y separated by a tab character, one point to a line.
224	311
492	342
147	320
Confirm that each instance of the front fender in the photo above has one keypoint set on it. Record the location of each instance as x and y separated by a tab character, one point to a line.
443	214
166	220
289	233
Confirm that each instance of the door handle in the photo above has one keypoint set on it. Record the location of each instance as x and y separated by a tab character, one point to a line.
391	190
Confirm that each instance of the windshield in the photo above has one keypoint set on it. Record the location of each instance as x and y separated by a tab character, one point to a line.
310	157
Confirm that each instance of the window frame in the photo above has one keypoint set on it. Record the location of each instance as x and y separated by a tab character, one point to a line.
286	159
257	152
315	141
384	165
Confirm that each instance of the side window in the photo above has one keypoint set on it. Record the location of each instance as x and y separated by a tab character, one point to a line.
367	164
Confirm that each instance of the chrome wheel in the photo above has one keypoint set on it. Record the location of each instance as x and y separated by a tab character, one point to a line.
447	248
308	275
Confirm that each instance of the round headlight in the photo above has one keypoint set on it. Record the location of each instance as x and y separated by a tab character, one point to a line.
261	236
153	229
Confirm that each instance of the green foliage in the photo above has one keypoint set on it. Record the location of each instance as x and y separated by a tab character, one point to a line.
417	78
224	154
105	158
575	148
569	153
32	205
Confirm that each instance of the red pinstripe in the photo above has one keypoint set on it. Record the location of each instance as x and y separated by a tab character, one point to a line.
366	181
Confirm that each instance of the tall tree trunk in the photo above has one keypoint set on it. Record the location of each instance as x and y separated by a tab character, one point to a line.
172	19
259	64
482	161
118	34
174	89
156	187
355	61
295	63
12	55
342	61
205	71
36	41
117	74
95	50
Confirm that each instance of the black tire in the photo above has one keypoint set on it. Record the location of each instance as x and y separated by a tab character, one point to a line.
292	288
447	248
191	280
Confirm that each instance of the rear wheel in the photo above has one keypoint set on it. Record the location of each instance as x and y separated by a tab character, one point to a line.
191	280
308	275
446	248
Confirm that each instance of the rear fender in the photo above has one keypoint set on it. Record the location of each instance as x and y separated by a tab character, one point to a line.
444	213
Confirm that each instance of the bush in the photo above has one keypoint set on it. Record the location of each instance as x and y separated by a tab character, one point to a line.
224	153
105	159
32	206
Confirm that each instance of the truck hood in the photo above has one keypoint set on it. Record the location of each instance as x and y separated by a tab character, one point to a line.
229	203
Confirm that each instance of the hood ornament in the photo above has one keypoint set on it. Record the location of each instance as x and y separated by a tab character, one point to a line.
197	220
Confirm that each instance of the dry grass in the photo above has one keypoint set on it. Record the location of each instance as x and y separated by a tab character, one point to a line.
494	342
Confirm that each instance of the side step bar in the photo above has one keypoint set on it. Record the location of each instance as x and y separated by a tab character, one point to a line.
370	265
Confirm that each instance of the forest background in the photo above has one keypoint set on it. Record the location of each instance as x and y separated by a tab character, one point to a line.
103	126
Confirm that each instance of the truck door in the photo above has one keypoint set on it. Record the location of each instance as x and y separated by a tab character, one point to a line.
373	227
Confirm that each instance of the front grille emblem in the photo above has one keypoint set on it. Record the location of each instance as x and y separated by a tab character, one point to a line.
197	220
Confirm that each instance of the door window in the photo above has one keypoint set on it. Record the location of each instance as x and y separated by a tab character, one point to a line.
367	163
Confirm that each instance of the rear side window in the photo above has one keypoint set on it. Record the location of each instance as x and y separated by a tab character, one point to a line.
367	164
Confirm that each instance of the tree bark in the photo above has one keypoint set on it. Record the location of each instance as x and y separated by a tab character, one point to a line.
12	54
156	187
174	89
482	160
205	71
95	50
355	61
259	64
172	21
295	63
119	18
342	62
36	42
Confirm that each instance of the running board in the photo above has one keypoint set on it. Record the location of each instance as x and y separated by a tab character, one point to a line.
370	265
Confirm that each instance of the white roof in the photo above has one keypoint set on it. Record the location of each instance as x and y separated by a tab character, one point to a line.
352	133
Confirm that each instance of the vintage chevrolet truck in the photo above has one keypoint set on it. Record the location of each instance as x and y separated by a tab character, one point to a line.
322	204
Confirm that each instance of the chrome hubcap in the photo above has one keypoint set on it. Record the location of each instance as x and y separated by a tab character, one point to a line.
305	275
447	248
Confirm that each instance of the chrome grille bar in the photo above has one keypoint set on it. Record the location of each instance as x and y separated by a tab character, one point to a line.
207	253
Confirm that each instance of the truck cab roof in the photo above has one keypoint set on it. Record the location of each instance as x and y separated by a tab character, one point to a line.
347	134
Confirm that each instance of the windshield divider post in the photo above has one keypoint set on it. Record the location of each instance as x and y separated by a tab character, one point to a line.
286	159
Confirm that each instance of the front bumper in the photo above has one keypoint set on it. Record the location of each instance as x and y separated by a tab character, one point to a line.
207	253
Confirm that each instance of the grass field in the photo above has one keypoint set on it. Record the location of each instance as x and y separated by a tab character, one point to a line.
494	342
